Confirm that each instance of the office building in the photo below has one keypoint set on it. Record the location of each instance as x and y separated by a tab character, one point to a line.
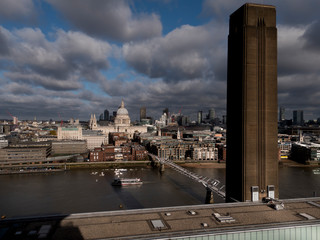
211	114
94	138
298	117
106	115
282	114
25	152
199	117
71	132
143	113
3	142
306	153
65	147
252	154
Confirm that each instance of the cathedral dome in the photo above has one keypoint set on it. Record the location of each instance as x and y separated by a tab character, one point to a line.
122	110
122	118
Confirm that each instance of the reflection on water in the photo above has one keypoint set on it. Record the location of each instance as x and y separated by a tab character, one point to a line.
90	190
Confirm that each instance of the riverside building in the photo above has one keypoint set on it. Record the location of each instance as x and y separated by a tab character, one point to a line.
23	153
184	150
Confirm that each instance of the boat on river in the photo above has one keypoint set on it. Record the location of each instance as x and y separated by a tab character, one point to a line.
126	181
316	171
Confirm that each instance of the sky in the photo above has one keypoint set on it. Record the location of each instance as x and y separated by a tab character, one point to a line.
69	59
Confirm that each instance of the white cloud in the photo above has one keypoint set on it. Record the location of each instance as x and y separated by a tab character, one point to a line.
112	19
186	53
293	57
298	75
185	69
17	10
59	64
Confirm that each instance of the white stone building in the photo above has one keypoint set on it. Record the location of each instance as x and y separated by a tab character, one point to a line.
122	123
70	133
94	138
205	152
98	135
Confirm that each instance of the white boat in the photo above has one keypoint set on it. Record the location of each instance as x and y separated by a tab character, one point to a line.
316	171
101	174
121	170
126	181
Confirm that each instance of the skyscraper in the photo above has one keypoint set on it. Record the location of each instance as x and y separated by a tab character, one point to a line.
252	155
106	115
199	116
143	113
212	114
298	117
282	114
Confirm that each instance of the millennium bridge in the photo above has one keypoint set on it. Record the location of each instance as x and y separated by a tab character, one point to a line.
211	185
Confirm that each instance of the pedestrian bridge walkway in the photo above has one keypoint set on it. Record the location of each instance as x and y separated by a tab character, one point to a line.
210	184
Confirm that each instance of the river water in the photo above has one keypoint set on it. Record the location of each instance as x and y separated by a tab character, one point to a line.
79	191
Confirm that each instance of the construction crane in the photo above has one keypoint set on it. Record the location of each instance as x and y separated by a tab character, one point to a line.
14	119
10	114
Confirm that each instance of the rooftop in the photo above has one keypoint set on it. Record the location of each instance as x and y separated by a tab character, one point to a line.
166	222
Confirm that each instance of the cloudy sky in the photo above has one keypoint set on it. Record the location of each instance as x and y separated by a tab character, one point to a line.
77	57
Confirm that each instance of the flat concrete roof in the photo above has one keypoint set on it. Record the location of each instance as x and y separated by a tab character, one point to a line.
165	222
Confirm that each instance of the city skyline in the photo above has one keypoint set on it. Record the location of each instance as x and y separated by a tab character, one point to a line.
157	54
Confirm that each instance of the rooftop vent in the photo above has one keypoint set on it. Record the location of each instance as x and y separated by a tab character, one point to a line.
223	219
273	203
190	212
277	206
204	225
158	224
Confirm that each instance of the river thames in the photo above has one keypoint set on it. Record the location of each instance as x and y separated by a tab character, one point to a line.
79	191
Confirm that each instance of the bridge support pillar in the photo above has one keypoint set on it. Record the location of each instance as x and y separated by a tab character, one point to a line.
209	196
161	169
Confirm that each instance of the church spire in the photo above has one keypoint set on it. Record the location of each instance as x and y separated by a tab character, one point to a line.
122	104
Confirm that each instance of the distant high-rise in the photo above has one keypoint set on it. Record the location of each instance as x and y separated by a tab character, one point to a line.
282	114
106	115
252	154
212	114
224	119
143	113
199	117
298	117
